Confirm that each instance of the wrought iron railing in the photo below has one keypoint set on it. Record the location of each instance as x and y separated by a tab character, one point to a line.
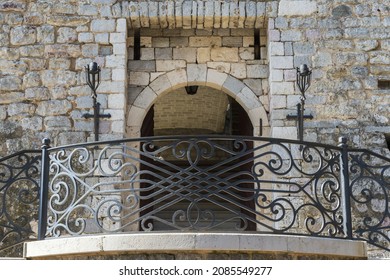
19	193
213	183
370	192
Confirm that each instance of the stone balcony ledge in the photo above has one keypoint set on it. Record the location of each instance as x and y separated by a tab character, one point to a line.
98	246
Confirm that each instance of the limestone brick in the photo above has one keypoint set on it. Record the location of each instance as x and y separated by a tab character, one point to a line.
247	99
139	78
297	8
282	88
102	38
118	37
45	34
246	53
163	53
169	65
203	55
160	42
145	98
119	49
276	48
115	61
233	86
196	74
10	83
160	85
66	35
278	102
53	107
32	79
215	78
90	50
119	74
187	12
23	35
37	93
224	54
88	10
67	20
85	37
116	101
187	54
220	66
238	70
205	41
282	62
116	86
103	25
147	54
178	78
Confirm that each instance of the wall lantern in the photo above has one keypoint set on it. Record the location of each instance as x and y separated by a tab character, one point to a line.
191	90
303	83
92	73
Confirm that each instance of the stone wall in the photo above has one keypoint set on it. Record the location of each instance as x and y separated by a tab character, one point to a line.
187	56
346	45
44	46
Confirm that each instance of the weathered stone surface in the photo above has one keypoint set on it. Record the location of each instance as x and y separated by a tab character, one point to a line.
168	65
196	74
53	107
51	78
224	54
341	11
57	123
10	83
37	93
12	6
23	35
67	20
32	123
63	50
90	50
102	25
297	8
20	108
163	53
187	54
66	35
45	34
139	78
12	67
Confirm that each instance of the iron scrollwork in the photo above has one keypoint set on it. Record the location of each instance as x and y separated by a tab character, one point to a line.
202	183
19	194
196	183
370	192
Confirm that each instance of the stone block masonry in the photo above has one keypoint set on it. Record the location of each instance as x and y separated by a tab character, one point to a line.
44	49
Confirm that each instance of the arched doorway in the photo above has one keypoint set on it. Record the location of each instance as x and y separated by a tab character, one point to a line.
205	195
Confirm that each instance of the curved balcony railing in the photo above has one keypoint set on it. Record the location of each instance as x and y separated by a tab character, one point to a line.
214	183
19	196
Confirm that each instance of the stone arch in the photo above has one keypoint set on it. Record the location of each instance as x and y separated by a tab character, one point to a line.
202	76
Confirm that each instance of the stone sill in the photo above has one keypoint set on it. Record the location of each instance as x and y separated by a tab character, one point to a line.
137	243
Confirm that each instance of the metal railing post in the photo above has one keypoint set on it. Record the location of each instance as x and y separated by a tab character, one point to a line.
44	185
345	188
